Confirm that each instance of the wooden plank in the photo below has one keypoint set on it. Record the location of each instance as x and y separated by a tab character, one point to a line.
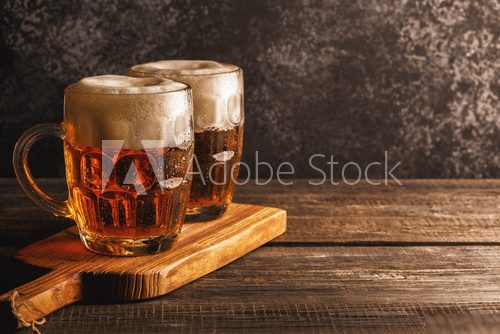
419	212
303	289
463	323
355	275
81	274
294	286
167	317
459	274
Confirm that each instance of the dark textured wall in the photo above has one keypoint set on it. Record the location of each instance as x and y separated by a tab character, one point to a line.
420	79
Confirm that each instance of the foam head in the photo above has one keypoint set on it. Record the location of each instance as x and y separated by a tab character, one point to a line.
217	89
153	112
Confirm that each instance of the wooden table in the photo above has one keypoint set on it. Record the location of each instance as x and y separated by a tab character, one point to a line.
420	257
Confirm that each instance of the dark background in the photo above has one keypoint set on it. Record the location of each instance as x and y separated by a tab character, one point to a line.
419	79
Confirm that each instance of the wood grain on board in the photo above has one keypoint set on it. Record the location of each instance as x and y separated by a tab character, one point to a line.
80	274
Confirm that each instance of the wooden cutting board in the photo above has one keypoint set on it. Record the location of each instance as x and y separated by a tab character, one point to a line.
78	274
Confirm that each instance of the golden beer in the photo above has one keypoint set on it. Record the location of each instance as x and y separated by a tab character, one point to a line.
134	209
218	117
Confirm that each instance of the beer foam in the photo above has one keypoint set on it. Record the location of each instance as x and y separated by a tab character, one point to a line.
135	111
217	89
119	84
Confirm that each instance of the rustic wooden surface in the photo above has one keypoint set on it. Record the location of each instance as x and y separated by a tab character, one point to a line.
410	259
78	274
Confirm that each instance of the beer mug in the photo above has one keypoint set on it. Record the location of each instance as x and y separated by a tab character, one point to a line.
218	123
128	147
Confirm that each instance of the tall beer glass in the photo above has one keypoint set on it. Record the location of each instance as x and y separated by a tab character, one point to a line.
128	146
218	122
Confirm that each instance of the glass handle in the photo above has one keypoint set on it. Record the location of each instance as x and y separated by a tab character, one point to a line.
23	173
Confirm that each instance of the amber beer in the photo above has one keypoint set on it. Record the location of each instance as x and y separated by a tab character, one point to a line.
216	164
218	113
128	147
131	203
